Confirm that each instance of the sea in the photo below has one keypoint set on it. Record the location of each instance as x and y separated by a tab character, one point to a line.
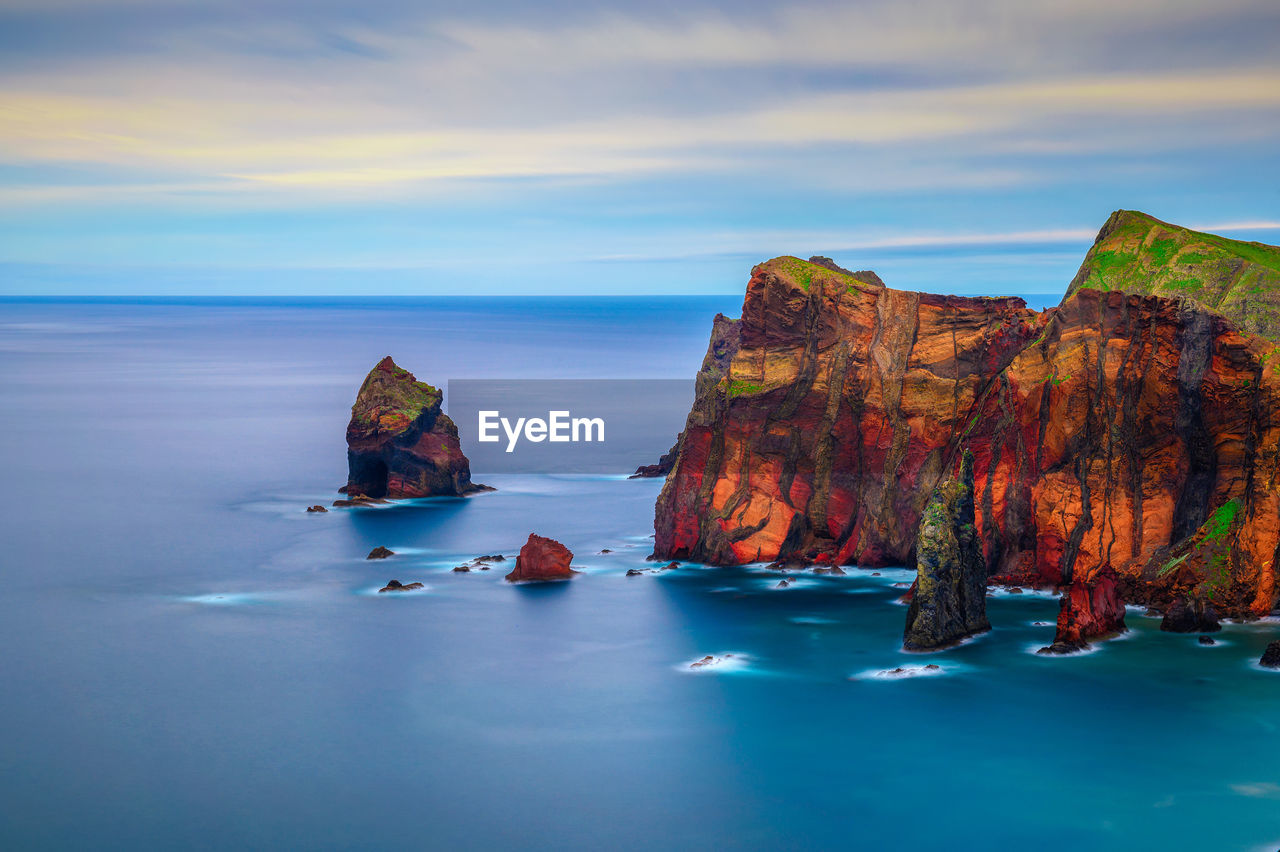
189	660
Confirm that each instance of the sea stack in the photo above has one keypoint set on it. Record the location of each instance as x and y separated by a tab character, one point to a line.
1271	656
949	601
400	444
542	559
1091	609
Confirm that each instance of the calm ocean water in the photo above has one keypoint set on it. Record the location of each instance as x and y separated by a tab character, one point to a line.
189	660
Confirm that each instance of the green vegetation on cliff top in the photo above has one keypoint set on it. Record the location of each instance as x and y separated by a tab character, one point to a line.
1137	253
803	273
392	398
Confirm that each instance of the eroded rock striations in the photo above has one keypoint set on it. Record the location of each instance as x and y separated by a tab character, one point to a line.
950	596
1124	430
399	442
542	559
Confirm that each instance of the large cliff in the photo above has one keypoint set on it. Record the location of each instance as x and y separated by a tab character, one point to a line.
399	442
1124	431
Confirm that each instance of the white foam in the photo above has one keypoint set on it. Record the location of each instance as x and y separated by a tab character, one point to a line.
904	672
723	663
227	599
1023	592
811	619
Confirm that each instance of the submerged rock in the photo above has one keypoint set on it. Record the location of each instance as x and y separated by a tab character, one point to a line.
481	563
399	442
949	603
1190	615
634	572
542	559
1207	640
316	509
397	586
357	500
1271	656
709	660
1090	609
380	552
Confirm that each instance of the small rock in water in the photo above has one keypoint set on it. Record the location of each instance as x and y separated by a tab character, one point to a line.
462	569
1014	590
606	550
875	573
1064	648
932	667
357	500
397	586
634	572
1207	640
784	584
380	552
670	566
705	661
1271	656
316	509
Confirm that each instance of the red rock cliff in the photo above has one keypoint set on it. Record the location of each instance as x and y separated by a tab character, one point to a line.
1134	431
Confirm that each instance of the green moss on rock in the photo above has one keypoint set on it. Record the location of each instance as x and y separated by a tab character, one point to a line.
1137	253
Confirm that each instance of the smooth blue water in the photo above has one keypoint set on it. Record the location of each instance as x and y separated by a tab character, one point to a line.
190	660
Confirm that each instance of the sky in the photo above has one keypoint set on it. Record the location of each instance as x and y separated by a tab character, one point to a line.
401	147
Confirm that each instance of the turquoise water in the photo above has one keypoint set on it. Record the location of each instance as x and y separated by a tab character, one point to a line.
191	660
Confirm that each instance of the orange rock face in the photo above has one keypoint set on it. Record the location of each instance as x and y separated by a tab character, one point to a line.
542	558
1124	430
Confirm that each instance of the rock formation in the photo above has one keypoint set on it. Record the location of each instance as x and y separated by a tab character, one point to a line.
1091	608
397	586
662	468
1137	253
380	552
1134	431
1190	615
542	559
399	443
950	597
1271	656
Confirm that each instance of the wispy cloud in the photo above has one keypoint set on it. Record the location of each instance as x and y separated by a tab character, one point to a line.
742	127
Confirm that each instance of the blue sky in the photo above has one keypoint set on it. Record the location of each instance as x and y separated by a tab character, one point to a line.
393	147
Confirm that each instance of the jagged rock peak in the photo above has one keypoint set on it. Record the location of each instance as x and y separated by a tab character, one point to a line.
399	442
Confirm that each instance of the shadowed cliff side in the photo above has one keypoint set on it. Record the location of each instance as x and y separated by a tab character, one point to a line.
1117	429
950	598
399	443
